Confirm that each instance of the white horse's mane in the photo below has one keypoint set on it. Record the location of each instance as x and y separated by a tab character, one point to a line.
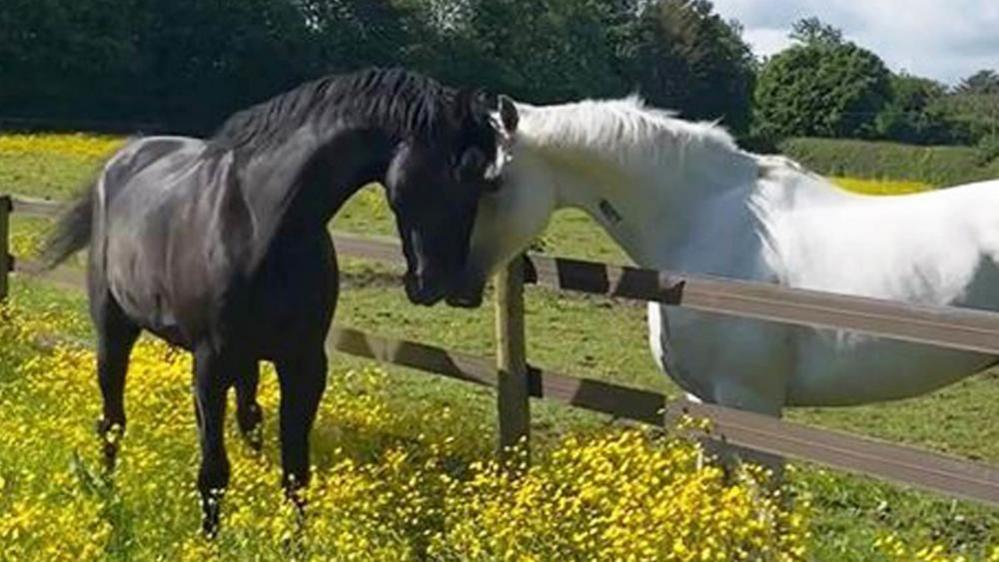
626	129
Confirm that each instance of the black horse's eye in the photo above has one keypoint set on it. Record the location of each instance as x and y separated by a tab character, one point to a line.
472	165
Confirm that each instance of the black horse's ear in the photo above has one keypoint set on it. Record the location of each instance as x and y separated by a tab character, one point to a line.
468	101
488	100
508	114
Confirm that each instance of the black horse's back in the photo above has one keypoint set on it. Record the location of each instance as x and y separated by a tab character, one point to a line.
221	246
74	230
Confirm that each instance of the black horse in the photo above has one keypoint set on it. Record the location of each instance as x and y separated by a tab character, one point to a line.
221	246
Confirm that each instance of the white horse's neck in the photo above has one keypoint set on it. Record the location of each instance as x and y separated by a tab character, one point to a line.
644	176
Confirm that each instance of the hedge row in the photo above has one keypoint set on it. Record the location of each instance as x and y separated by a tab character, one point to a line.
936	165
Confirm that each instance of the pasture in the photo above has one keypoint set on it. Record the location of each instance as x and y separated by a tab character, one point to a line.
400	457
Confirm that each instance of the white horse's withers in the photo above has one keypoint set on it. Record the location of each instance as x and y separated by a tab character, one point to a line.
681	196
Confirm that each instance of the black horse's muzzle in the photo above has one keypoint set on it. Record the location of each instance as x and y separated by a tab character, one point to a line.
426	290
468	292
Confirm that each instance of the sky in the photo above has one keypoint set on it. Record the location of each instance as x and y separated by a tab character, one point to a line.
942	39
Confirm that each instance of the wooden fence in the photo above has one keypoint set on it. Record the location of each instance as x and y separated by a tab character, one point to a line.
516	380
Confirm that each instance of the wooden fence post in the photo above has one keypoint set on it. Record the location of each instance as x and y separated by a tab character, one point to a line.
511	359
6	262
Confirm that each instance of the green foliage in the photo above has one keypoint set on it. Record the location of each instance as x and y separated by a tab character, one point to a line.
982	82
988	148
936	165
923	111
915	113
684	56
183	62
547	51
977	115
186	64
813	31
823	87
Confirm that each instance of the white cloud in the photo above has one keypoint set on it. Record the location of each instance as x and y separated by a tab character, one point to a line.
943	39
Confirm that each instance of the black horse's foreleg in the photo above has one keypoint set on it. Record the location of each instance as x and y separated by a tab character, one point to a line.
303	380
211	383
248	412
116	337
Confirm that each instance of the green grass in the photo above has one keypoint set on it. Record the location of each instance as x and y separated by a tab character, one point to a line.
593	337
935	165
45	175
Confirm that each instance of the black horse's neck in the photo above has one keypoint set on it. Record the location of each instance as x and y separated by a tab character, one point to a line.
299	156
299	186
339	167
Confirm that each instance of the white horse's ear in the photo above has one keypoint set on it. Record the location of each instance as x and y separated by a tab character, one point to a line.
504	120
508	114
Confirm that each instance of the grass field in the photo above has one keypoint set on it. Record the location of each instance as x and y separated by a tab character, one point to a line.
586	336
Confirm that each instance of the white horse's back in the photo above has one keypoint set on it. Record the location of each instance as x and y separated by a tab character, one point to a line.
925	248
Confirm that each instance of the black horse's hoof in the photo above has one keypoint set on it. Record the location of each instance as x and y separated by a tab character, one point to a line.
211	514
110	435
209	528
295	494
251	426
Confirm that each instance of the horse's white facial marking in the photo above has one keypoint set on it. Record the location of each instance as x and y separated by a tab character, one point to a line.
504	144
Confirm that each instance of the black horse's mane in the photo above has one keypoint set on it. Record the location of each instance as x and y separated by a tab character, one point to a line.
406	103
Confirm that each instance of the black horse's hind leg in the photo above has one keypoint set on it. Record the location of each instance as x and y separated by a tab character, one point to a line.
211	382
303	380
116	336
248	411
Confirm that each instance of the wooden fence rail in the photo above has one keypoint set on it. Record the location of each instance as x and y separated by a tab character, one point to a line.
515	379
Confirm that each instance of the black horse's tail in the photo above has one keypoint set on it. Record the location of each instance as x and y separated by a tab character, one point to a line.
72	231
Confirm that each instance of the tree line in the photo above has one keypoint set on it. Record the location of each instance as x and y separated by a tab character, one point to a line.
184	65
826	86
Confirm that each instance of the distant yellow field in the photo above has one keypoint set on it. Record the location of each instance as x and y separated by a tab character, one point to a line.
68	144
881	187
90	146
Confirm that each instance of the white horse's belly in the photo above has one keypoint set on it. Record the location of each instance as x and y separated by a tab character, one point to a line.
731	361
833	369
764	366
837	368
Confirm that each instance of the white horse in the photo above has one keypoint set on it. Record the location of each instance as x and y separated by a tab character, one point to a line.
681	196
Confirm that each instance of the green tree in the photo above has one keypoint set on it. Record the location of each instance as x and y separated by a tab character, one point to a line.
975	106
200	61
983	82
187	64
915	113
813	31
353	34
64	59
684	56
538	50
822	88
183	63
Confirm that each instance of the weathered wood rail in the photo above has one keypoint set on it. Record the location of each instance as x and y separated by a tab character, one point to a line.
516	380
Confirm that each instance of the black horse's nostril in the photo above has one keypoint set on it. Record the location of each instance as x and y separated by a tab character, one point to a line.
468	292
465	301
424	290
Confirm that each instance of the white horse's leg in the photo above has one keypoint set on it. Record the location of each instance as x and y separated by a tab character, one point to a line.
740	364
733	396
